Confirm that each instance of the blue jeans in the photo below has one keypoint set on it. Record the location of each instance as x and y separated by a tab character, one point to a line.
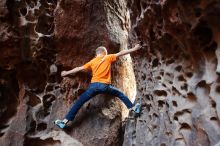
94	89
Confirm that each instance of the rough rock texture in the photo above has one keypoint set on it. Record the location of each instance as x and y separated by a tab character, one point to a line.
38	40
177	74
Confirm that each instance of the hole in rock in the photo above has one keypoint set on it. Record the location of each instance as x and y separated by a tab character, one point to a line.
41	114
211	48
1	134
189	74
191	96
9	92
159	33
178	68
50	1
154	126
57	87
144	5
202	84
150	79
44	3
164	85
187	111
178	113
75	85
175	118
176	57
198	12
155	63
203	33
169	74
163	144
175	91
218	80
148	108
23	11
38	142
158	78
48	99
170	61
160	93
143	77
180	142
213	118
155	115
213	103
29	27
138	5
184	87
147	97
161	103
185	126
174	103
167	104
36	12
33	75
52	79
3	127
33	99
62	89
31	3
49	88
217	89
45	25
181	78
152	34
32	127
41	126
137	31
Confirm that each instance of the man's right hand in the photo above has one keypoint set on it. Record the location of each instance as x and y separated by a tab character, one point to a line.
137	46
64	73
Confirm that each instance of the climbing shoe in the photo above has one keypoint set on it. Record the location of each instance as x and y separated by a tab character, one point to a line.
137	108
60	124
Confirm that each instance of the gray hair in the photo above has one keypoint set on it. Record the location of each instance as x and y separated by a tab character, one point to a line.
100	50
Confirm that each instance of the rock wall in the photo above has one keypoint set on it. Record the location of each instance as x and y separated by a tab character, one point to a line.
177	74
39	39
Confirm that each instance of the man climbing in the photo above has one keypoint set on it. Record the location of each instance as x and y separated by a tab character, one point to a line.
100	83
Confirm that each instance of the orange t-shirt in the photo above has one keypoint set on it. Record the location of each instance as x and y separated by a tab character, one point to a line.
101	68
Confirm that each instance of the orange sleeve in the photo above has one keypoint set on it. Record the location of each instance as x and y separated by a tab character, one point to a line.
87	66
112	57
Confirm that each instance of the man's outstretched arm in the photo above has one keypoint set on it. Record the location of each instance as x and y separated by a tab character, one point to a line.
75	70
124	52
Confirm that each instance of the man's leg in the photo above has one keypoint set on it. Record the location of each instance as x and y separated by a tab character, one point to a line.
115	92
88	94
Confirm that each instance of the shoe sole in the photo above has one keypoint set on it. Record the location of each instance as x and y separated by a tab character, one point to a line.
59	126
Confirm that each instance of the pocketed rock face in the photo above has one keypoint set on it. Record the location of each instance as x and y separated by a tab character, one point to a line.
41	38
82	26
177	74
